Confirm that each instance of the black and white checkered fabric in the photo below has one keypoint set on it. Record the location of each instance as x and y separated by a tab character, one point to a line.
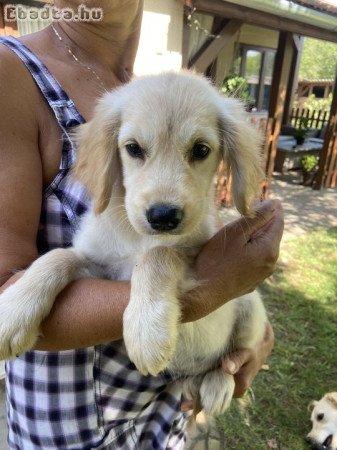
90	398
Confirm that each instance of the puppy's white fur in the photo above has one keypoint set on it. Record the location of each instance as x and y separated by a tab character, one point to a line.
324	422
167	115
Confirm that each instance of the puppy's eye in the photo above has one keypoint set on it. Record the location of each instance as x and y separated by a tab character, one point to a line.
320	417
134	150
200	151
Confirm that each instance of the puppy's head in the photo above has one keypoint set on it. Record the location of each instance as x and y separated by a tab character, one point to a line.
323	434
158	141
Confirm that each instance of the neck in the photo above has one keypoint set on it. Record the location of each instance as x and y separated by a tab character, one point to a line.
111	42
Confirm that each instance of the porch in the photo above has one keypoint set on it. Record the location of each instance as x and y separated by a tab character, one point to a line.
218	35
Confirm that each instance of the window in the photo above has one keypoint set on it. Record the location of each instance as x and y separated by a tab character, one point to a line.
256	66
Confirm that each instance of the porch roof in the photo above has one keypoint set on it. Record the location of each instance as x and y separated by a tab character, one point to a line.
282	15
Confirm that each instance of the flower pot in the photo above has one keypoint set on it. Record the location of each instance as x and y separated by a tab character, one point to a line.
308	177
300	140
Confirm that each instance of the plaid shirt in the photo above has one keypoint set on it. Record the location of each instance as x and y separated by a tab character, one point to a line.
91	397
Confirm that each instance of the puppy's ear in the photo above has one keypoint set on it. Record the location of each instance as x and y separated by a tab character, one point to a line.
312	405
97	165
242	149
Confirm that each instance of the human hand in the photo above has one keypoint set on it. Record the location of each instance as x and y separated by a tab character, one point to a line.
245	364
236	260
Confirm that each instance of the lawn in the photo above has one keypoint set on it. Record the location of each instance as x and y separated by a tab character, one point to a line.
301	298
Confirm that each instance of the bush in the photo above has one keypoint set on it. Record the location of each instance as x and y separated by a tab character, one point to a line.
308	163
236	87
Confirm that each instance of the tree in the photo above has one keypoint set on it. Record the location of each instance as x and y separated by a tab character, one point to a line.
319	60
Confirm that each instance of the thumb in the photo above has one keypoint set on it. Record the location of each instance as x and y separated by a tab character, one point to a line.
234	361
263	213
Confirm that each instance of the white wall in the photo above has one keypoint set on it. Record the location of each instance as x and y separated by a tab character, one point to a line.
160	46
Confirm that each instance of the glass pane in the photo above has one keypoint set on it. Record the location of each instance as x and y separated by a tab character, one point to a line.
252	73
253	65
253	91
266	96
270	59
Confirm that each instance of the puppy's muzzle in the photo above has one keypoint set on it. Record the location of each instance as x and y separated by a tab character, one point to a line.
163	217
316	446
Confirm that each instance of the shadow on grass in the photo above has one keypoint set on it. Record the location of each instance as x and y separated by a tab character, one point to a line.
302	367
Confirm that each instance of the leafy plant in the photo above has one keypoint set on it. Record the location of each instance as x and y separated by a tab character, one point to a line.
315	104
301	130
308	163
236	86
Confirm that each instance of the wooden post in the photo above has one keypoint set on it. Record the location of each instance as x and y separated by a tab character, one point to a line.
279	85
293	76
327	170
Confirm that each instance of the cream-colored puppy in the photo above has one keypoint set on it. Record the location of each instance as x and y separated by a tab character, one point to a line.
324	423
148	157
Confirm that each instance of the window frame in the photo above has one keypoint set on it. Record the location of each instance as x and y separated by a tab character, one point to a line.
242	52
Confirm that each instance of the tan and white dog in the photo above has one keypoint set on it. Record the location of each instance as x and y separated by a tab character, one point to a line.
324	423
148	158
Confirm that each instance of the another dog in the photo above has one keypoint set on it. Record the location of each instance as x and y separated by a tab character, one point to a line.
148	157
324	423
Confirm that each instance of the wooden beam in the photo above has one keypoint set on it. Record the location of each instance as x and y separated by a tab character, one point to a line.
293	76
281	70
263	19
209	51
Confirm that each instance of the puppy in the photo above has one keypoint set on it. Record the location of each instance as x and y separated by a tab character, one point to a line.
324	423
148	158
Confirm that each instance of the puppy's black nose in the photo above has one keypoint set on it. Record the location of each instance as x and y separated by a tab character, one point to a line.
163	217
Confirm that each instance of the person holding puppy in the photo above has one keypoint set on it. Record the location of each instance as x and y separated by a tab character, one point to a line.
77	389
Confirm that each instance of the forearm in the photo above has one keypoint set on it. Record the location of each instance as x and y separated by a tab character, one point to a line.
90	312
87	312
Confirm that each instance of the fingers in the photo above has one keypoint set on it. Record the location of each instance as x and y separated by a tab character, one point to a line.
186	405
233	362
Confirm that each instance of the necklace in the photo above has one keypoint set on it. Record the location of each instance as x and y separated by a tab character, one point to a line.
90	69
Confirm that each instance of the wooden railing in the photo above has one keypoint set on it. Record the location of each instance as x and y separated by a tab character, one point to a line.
316	118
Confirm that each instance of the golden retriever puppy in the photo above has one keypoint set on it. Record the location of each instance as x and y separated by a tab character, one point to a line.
324	423
148	158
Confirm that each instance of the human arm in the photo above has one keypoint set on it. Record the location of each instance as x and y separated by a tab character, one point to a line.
90	311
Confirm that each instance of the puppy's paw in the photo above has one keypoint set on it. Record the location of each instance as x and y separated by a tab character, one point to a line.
216	392
191	387
19	323
150	336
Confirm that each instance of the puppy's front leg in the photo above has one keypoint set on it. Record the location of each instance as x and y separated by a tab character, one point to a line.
152	316
24	304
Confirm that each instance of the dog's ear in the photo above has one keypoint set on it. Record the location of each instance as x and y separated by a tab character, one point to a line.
97	164
242	151
312	405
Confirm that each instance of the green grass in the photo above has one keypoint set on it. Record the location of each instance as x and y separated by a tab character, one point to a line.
301	299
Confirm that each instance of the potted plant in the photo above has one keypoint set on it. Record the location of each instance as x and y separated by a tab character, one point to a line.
301	131
308	165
